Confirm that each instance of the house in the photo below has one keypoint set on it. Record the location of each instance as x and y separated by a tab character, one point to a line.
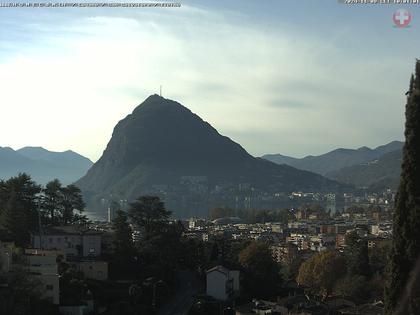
42	265
70	240
222	283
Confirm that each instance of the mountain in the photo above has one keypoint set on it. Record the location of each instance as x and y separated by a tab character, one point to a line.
377	174
43	165
336	159
162	143
281	159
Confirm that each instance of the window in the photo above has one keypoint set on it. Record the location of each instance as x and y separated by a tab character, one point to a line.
58	239
51	240
91	250
49	287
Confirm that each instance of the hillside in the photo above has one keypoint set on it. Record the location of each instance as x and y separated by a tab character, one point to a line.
336	159
377	174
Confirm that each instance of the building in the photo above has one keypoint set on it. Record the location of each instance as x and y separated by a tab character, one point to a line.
327	229
69	240
195	223
42	265
111	213
285	253
222	283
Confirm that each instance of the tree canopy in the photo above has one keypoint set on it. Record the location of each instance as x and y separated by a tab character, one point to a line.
357	255
123	240
149	214
59	203
321	272
24	205
403	289
18	208
262	274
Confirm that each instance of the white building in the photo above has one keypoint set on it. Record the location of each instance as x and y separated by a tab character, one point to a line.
222	283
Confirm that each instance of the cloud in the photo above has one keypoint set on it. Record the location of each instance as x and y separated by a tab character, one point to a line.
79	74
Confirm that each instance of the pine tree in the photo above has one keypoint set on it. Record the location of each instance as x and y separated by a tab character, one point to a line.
18	208
402	295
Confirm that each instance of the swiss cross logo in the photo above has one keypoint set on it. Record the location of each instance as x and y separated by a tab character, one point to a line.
401	18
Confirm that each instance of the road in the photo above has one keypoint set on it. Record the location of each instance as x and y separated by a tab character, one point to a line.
187	287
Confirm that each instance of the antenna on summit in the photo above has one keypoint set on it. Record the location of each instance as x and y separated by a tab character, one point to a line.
160	91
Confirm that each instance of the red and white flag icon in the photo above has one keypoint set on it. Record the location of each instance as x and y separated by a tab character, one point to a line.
401	18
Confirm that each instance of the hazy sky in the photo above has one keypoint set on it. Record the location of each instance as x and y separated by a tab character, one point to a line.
291	77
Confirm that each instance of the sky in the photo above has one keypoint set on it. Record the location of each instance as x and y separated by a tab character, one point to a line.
291	77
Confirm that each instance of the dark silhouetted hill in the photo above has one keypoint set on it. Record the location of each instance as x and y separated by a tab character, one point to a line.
161	141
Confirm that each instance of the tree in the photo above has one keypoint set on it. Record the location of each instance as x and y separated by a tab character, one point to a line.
18	290
402	294
357	255
353	287
321	272
72	200
159	247
262	276
59	203
18	208
149	214
53	200
123	240
378	257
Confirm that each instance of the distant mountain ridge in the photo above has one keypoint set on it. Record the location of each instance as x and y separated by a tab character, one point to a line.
336	159
43	165
377	174
162	141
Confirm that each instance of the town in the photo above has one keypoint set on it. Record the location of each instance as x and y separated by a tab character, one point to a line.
206	266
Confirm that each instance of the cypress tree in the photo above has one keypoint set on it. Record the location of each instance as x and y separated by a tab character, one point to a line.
402	294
